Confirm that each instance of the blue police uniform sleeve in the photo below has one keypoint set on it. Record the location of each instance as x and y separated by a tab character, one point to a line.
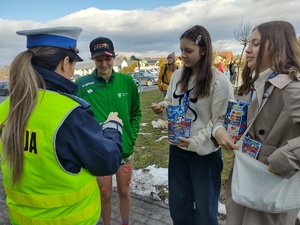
81	142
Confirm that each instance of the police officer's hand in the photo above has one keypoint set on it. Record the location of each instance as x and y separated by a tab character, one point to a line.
114	116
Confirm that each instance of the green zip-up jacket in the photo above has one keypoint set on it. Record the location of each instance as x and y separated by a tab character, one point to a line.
119	94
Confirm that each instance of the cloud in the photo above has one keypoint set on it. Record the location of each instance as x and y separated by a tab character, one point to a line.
155	32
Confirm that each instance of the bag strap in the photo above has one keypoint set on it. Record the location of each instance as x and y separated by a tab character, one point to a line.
266	95
163	76
186	98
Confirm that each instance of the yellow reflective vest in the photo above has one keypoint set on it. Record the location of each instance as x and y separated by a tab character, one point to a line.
47	194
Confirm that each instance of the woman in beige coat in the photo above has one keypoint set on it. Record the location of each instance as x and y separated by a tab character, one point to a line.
272	50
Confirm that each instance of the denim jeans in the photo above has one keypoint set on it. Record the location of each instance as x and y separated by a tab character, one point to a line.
194	186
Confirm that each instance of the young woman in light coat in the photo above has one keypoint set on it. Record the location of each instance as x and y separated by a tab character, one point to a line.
195	162
273	47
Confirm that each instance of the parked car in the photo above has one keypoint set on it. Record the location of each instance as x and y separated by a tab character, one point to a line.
4	88
136	82
145	78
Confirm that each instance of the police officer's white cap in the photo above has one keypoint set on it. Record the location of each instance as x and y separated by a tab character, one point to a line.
60	37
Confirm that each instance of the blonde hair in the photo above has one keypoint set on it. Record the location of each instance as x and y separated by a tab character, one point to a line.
172	67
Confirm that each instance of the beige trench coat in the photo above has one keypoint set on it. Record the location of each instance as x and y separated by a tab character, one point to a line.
277	127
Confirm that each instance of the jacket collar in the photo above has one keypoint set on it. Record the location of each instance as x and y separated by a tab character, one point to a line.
101	79
281	80
56	82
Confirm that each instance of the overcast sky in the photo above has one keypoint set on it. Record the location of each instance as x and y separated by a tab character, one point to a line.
145	28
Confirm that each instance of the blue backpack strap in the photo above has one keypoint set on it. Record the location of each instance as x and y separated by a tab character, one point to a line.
81	101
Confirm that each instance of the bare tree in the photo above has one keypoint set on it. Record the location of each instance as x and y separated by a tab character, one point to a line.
217	46
4	72
242	35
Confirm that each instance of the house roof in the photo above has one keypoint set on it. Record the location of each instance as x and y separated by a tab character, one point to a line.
118	62
84	65
152	61
88	65
226	55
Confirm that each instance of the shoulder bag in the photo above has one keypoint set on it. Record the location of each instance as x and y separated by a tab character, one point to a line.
253	186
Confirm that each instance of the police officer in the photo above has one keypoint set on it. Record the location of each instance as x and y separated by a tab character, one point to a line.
51	146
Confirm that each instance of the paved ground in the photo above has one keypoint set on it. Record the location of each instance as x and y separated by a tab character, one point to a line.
144	210
3	209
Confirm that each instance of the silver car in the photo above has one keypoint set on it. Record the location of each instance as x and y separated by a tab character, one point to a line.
145	78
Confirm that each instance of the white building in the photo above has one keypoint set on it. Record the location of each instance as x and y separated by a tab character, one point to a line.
84	68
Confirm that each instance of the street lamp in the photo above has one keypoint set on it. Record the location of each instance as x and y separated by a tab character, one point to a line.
138	60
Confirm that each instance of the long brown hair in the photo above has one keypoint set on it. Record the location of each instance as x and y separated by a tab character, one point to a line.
204	78
284	52
172	66
24	84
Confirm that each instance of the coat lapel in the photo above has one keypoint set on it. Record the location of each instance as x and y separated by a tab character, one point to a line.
280	81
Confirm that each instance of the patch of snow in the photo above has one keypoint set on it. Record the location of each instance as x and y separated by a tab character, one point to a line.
160	124
145	181
163	137
144	133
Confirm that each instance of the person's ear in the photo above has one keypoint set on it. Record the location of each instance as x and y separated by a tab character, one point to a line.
65	64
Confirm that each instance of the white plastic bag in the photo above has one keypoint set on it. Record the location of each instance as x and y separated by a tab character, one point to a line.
255	187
